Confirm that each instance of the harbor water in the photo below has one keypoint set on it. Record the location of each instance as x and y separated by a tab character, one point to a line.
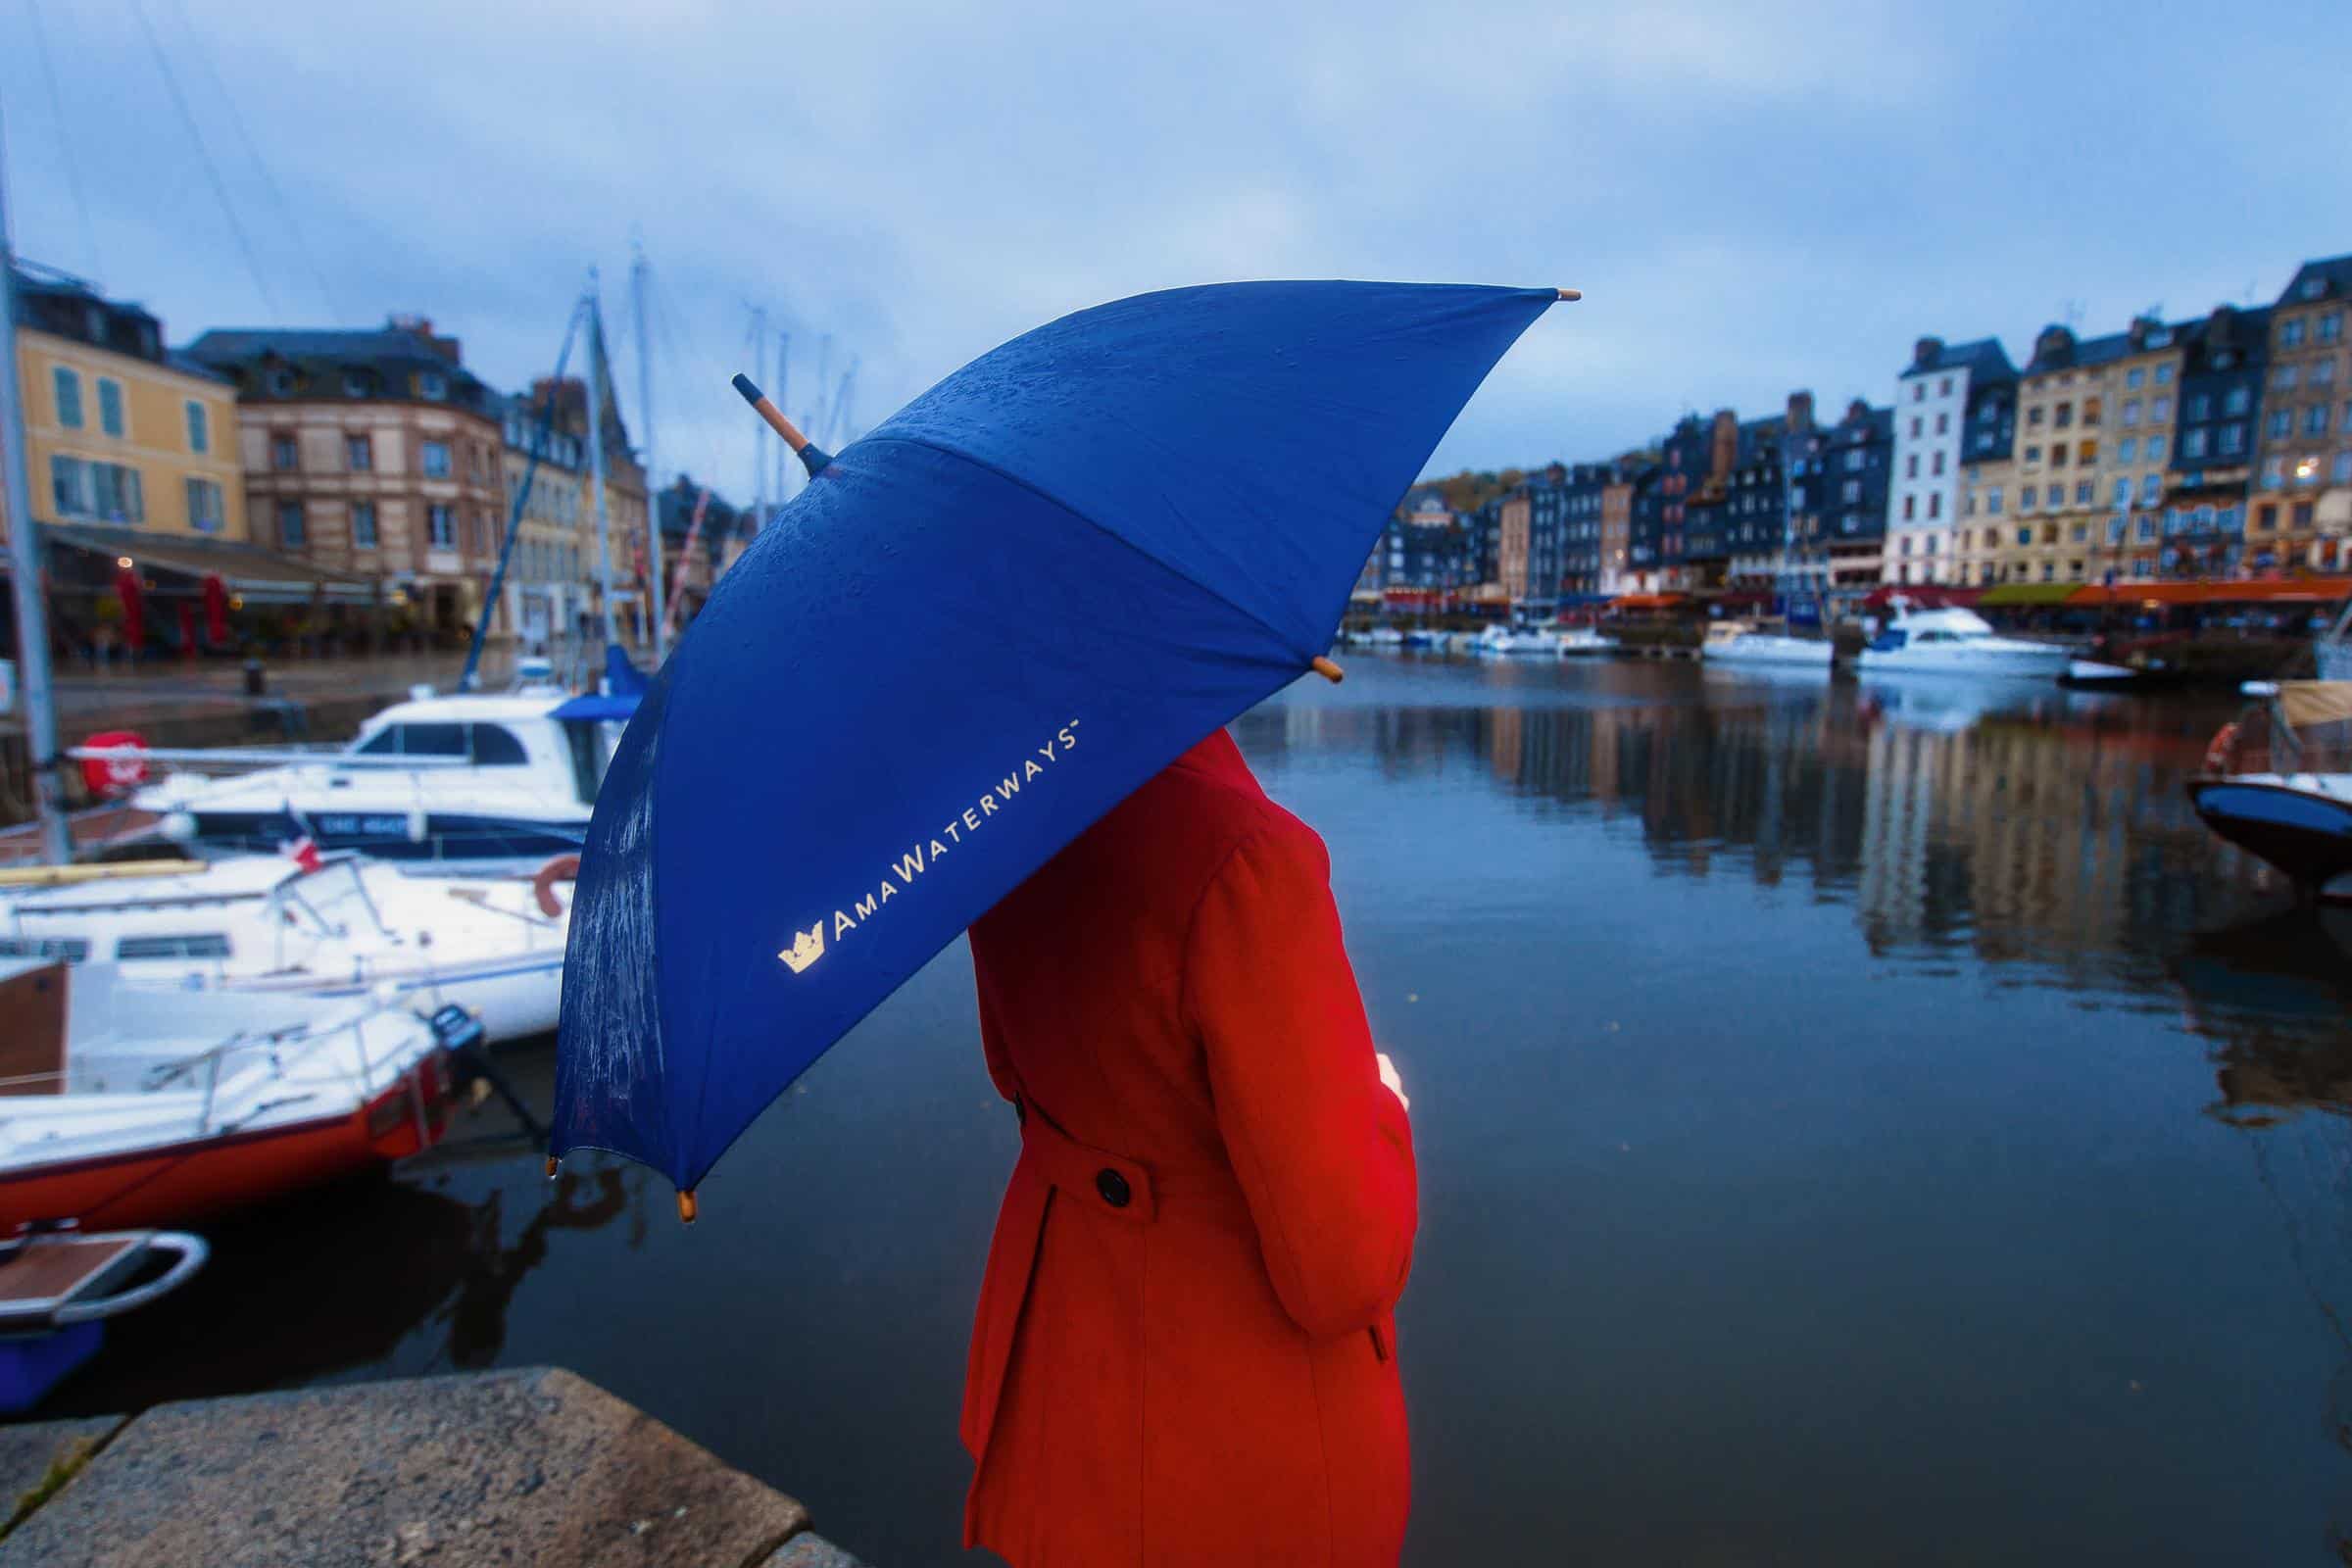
1858	1122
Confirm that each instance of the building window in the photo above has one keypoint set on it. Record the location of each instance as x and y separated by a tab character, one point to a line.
1851	491
1919	390
2280	424
1935	510
64	386
2049	569
1944	422
1944	388
1911	465
359	453
2078	532
2266	518
2132	380
2142	568
2082	492
69	486
2032	454
204	505
356	385
1992	501
2302	515
1936	465
2148	527
2164	375
2282	379
2237	400
2332	326
2131	410
2291	336
2315	419
436	460
2123	489
441	528
2274	474
2034	418
2125	449
2160	410
281	383
2090	412
2193	443
2150	487
1910	507
2232	439
363	525
285	454
2322	373
2058	454
109	405
2197	405
2028	498
432	384
2063	415
1916	425
200	433
114	493
292	531
2342	471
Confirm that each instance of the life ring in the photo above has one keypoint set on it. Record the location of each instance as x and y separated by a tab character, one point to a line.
563	869
2217	754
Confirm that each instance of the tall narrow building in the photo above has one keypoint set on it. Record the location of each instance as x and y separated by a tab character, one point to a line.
1948	409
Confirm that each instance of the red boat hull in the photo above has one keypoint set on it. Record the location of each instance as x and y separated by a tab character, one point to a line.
194	1180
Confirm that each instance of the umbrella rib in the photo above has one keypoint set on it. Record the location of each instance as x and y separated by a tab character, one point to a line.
1049	496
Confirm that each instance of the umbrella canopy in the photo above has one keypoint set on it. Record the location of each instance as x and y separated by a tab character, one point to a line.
974	632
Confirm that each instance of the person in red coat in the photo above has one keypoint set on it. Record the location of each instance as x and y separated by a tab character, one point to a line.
1185	1349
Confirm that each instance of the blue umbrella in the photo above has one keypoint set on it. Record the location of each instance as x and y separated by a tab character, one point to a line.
975	631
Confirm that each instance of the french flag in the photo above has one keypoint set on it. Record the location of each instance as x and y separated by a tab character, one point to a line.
302	849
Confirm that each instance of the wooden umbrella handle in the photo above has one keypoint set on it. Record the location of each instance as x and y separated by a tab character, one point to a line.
767	410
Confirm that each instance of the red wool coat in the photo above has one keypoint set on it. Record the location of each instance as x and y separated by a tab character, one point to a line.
1184	1350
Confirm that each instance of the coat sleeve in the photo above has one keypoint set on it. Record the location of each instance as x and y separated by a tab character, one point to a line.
1323	1150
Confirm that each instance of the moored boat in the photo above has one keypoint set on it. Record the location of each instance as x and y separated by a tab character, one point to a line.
59	1287
1739	642
1585	642
2278	783
127	1107
1501	639
1952	641
335	927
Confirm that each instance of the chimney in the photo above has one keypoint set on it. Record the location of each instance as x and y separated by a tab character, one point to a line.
422	327
1926	352
1857	411
1724	444
1800	413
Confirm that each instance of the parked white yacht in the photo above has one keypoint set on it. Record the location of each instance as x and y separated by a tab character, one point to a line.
508	778
1739	642
340	928
1584	642
1501	639
1952	641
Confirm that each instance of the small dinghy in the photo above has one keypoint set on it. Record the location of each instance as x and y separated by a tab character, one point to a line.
57	1289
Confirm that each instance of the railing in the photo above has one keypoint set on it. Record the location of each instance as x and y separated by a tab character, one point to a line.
2259	741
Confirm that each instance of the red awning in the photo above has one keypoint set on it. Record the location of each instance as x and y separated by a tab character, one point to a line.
2240	591
1646	601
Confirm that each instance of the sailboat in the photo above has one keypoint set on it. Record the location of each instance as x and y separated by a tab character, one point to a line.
1743	642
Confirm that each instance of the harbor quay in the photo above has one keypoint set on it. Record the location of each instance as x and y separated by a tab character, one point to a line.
531	1464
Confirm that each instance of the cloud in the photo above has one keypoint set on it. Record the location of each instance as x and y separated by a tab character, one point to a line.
1756	197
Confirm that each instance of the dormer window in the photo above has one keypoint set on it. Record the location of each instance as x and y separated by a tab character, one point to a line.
432	384
357	383
281	383
2313	287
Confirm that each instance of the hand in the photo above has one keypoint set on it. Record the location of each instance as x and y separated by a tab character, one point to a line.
1388	1076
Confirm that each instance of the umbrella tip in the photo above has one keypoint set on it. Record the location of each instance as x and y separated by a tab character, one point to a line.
551	1168
1567	294
750	393
1327	669
686	1209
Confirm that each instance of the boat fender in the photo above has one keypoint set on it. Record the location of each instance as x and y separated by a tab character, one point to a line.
563	869
416	824
2217	754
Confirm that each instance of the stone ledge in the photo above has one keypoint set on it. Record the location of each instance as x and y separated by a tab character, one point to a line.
811	1551
533	1465
29	1450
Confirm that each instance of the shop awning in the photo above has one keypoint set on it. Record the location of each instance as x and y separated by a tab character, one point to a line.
2242	591
260	576
2028	592
1646	601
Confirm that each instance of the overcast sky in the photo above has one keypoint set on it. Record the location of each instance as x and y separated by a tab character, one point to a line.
1754	197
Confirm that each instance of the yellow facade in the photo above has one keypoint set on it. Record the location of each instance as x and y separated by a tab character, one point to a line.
93	415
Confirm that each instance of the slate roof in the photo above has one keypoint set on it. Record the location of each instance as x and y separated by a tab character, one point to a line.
319	358
2332	279
1982	357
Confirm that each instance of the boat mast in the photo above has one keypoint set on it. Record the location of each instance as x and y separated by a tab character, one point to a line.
653	488
25	561
760	457
595	449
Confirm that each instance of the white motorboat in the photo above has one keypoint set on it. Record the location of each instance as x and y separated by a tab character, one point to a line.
1584	642
1739	642
510	777
126	1105
1384	637
1950	641
1428	639
338	928
1501	639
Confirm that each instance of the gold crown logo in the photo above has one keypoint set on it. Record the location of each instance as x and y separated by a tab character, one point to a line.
806	947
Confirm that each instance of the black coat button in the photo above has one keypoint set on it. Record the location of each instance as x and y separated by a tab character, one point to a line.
1112	1186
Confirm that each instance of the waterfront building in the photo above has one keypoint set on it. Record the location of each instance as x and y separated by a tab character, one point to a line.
1428	559
1948	409
2132	480
1988	494
1616	522
1584	488
566	567
2216	434
1858	454
2302	502
132	461
1533	515
691	573
371	452
2066	411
